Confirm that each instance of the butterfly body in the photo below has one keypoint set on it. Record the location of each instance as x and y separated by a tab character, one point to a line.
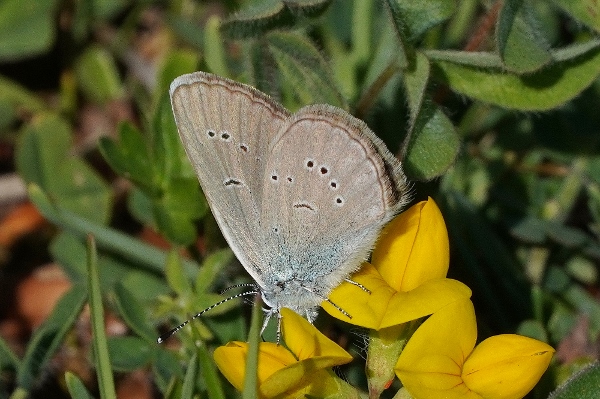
300	198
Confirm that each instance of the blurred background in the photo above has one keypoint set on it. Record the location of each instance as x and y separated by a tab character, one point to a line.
491	105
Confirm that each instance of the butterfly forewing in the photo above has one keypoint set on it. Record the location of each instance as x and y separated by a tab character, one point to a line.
226	129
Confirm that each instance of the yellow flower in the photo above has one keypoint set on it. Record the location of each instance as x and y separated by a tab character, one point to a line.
303	369
407	275
439	360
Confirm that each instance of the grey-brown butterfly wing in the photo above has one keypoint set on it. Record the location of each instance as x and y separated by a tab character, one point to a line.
333	185
226	129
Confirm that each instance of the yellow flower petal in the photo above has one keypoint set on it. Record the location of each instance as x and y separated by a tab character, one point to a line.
231	361
506	366
413	248
306	342
430	365
384	307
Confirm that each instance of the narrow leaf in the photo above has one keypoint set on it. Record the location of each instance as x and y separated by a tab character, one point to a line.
50	335
106	384
549	88
209	372
75	387
189	381
145	255
251	378
7	357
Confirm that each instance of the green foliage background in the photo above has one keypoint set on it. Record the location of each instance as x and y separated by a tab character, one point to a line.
491	105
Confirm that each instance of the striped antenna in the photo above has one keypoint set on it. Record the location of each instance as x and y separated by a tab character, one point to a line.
238	286
172	331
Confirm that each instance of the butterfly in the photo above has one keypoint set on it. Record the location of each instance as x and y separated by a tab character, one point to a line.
300	198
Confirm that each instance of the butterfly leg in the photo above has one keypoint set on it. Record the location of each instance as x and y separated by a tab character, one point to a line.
342	311
359	285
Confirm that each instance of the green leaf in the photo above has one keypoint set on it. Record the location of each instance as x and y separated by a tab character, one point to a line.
43	146
82	190
417	17
416	79
98	76
165	367
214	48
531	230
19	97
208	371
129	353
521	46
582	269
585	303
166	149
50	335
303	67
583	385
211	267
533	329
177	210
133	313
7	357
476	76
142	282
106	384
26	29
461	23
176	63
43	158
129	156
145	286
186	29
140	207
432	143
76	388
189	381
146	256
270	15
251	379
176	278
584	11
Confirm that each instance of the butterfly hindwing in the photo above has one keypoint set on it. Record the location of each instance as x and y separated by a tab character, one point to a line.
333	186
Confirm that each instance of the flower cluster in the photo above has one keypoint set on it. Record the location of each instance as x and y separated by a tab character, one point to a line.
438	359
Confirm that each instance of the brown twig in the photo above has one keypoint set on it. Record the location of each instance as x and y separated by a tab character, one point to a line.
484	27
